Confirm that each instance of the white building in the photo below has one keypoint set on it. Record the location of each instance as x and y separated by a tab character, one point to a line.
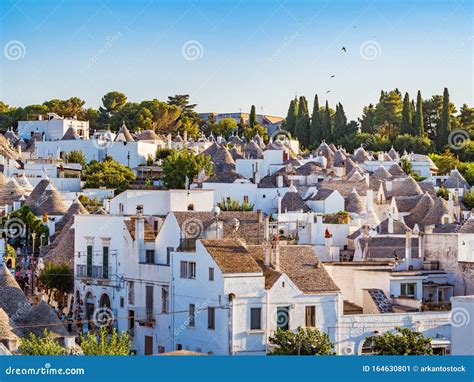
161	202
53	128
230	298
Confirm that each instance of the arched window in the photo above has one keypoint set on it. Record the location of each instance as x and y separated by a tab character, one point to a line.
191	207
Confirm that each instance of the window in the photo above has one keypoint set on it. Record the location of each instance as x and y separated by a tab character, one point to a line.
408	290
131	292
150	256
164	300
183	270
192	270
187	270
211	318
179	347
149	302
105	262
121	208
191	207
311	316
89	261
255	318
122	302
211	274
283	317
168	255
192	315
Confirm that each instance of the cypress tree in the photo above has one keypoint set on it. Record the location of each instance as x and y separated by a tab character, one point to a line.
327	130
290	120
340	123
302	122
445	125
253	116
418	124
406	125
316	128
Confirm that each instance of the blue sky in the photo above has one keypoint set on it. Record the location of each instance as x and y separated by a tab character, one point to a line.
239	53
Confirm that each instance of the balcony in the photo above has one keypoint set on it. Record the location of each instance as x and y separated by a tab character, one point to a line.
145	317
96	272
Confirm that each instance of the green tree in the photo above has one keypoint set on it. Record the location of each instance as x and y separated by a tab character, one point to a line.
468	199
340	123
225	127
306	341
32	224
183	164
252	116
76	156
302	122
327	124
367	121
234	205
418	122
466	118
406	126
467	171
112	102
445	162
443	193
388	112
290	121
103	344
445	125
401	342
57	277
109	174
250	132
316	127
182	101
36	345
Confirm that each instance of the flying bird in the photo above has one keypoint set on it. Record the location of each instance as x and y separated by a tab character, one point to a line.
333	76
344	49
328	91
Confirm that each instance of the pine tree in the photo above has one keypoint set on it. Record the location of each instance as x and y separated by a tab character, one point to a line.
302	122
316	128
418	126
406	125
340	123
327	130
253	116
445	125
290	121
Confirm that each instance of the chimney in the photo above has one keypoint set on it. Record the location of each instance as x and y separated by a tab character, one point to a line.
276	257
266	255
266	229
451	204
256	174
168	145
390	224
185	136
408	257
421	246
279	203
370	200
280	181
367	178
380	156
140	231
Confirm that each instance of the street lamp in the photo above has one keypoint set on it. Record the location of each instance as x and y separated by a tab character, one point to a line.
33	235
